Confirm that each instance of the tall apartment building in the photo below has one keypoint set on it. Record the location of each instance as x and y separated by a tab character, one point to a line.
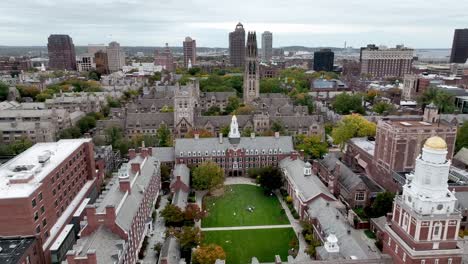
267	46
425	220
61	52
237	46
43	187
251	70
190	52
120	220
115	57
459	46
102	63
85	62
323	60
165	59
387	62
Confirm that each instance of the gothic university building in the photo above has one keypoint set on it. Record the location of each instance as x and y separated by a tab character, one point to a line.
181	108
425	222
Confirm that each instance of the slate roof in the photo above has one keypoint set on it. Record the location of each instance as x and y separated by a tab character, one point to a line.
462	156
309	187
149	120
283	143
170	251
164	154
105	243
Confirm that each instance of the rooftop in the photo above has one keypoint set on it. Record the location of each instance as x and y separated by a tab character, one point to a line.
12	249
22	175
365	144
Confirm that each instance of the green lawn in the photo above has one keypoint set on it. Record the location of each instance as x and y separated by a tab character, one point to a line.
241	245
231	208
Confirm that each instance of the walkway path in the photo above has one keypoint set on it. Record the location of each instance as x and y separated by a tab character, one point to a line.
239	180
296	225
157	236
245	227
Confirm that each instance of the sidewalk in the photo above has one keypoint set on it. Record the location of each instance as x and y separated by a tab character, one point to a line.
157	236
245	227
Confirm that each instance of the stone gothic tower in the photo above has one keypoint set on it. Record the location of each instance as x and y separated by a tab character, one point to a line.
185	101
251	71
425	221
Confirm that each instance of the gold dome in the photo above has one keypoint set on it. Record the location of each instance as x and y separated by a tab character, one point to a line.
436	143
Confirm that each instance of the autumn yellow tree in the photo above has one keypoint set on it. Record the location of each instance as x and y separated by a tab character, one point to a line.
208	254
202	133
352	126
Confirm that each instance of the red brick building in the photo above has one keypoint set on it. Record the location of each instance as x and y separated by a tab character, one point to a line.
118	222
425	222
42	187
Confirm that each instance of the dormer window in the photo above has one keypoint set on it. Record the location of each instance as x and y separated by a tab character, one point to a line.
181	153
256	152
206	153
199	153
189	153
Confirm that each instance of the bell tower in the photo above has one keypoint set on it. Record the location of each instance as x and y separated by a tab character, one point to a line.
251	70
425	222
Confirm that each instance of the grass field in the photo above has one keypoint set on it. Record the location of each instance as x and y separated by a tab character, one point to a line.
230	209
241	245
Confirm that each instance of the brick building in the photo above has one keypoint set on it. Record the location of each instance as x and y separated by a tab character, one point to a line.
118	222
237	46
43	187
21	250
190	52
235	154
386	62
165	59
61	52
424	223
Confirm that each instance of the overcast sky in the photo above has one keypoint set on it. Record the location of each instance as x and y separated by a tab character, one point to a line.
416	23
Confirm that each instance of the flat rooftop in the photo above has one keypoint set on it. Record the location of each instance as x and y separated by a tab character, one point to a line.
414	123
12	249
365	144
22	175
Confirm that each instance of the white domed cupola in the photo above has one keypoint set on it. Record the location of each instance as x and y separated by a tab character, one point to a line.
307	169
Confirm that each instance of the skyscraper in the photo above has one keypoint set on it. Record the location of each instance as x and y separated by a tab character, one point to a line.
237	46
459	46
190	51
61	52
115	57
251	70
267	46
323	60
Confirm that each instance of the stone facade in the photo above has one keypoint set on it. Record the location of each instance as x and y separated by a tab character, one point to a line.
251	70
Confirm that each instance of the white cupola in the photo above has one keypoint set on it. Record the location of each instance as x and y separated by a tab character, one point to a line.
307	169
331	244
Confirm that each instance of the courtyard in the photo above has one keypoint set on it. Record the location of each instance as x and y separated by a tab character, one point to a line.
247	223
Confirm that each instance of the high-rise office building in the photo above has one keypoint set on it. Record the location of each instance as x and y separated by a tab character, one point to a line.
323	60
460	46
237	46
190	52
165	59
267	46
386	62
61	52
102	64
251	70
115	57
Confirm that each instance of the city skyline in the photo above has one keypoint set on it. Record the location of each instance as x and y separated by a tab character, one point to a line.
139	23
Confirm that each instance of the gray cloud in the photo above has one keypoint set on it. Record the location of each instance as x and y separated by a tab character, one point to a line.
416	23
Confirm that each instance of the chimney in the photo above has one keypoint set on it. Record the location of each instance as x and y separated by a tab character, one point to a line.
150	152
252	135
196	136
277	134
135	167
131	154
144	152
124	185
220	138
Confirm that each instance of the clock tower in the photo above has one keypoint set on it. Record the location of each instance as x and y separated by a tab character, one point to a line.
425	222
251	71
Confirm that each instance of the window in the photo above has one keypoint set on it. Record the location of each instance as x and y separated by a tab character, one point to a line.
42	210
449	261
40	196
33	202
36	216
360	196
436	231
38	229
44	222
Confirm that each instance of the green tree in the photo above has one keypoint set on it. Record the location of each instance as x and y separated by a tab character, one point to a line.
164	136
3	91
28	91
225	131
313	146
113	135
94	75
271	85
383	107
382	204
194	71
246	132
189	237
208	254
86	123
345	104
352	126
269	178
207	176
442	99
69	133
21	145
233	104
462	137
173	215
212	111
277	126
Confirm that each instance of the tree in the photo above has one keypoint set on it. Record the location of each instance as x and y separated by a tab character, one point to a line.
442	99
269	178
164	136
86	123
271	85
345	104
94	75
202	133
69	133
28	91
4	90
383	107
213	111
21	145
244	110
225	130
165	173
208	254
462	137
277	126
194	71
233	104
247	131
382	204
189	237
173	215
352	126
371	95
207	176
313	146
193	212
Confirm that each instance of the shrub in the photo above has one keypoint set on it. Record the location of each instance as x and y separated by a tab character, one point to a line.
289	199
